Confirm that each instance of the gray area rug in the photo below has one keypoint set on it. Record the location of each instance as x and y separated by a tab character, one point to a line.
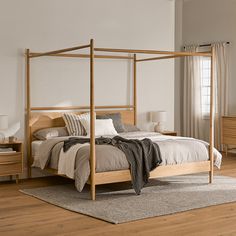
117	203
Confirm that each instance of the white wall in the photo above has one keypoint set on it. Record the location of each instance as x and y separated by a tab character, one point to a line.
212	21
206	21
53	24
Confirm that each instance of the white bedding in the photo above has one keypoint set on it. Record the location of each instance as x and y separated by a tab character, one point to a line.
174	150
35	147
35	151
66	164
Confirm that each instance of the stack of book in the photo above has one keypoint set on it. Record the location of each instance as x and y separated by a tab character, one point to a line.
4	150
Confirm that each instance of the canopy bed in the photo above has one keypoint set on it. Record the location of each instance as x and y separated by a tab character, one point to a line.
44	117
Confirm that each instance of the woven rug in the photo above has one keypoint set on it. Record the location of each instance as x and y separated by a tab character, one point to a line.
117	203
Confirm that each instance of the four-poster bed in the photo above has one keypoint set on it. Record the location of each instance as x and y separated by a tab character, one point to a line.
43	117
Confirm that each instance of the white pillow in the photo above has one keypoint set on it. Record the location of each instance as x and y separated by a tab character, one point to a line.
102	126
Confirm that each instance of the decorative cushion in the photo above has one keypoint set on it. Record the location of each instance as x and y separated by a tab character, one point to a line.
48	133
73	124
131	128
117	121
102	127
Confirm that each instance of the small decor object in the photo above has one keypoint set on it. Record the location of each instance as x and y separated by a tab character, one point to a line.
159	117
3	127
12	139
6	131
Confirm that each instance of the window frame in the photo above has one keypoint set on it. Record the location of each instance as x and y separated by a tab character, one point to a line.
205	67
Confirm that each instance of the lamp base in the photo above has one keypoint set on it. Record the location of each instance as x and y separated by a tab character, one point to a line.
2	137
159	127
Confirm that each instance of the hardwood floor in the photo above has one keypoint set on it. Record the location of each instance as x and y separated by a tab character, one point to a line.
24	215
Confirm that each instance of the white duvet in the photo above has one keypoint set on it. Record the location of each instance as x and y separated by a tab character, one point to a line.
174	150
66	164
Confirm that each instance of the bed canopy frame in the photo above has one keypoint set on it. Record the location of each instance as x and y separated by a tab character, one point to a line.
128	112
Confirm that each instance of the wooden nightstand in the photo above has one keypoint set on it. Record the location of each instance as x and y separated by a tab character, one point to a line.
12	163
171	133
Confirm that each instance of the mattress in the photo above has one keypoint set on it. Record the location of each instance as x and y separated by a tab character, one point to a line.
75	162
174	150
177	152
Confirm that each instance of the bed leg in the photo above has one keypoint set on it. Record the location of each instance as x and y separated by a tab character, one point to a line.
212	118
210	176
29	172
93	191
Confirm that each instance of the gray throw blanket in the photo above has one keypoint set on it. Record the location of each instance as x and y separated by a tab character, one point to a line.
142	155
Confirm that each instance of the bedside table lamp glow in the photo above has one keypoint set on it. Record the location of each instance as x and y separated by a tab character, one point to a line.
159	117
3	126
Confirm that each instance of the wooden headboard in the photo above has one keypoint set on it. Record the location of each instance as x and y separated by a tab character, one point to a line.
40	120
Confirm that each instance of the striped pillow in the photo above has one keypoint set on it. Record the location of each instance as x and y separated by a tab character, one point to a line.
73	124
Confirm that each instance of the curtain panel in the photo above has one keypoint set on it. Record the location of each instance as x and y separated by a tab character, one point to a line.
192	115
221	79
195	123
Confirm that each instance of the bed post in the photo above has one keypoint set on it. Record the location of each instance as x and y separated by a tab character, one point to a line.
135	90
92	124
27	123
212	107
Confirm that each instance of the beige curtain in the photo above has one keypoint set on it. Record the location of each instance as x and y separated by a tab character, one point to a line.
221	87
194	124
192	115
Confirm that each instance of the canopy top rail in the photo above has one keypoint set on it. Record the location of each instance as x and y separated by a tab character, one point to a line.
81	107
59	51
163	57
158	58
81	55
169	54
208	54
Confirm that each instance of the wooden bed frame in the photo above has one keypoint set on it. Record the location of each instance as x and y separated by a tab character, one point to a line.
43	117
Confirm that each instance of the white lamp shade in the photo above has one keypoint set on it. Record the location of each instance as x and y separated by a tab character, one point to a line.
158	116
3	122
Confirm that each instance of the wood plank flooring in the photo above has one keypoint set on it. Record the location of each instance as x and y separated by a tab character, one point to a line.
24	215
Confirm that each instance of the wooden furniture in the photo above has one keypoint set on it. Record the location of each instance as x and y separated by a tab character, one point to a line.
171	133
228	132
34	114
12	163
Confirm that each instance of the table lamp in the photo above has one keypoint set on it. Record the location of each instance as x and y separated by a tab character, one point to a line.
159	117
3	126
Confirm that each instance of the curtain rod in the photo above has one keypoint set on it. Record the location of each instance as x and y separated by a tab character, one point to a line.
207	45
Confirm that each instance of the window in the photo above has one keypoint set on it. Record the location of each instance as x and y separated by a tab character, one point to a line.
205	86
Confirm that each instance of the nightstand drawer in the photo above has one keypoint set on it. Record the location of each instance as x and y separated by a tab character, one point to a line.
10	157
10	164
